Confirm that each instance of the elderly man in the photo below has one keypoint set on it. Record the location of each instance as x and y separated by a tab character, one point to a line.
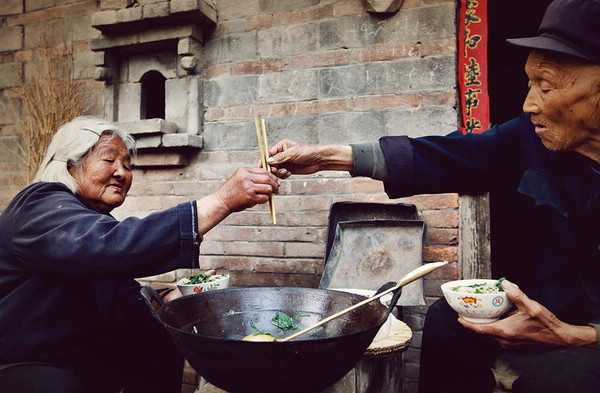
546	163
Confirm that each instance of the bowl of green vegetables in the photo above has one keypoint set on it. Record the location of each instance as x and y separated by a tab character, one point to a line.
477	300
199	283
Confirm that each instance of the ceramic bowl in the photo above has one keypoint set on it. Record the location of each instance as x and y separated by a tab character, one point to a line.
218	281
476	307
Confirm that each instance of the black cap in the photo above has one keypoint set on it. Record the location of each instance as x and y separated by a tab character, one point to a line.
571	27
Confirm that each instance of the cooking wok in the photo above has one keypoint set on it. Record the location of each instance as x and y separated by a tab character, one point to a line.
208	329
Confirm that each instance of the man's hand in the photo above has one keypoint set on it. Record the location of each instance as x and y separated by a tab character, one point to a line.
532	324
288	157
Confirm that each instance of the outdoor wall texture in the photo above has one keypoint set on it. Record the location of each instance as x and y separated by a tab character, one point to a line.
321	72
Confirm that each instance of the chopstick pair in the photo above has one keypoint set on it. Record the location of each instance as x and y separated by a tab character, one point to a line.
261	135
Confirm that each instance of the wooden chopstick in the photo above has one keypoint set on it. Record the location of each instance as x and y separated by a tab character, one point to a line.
261	135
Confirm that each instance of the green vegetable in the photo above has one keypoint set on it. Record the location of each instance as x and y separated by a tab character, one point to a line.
258	331
284	322
201	278
481	288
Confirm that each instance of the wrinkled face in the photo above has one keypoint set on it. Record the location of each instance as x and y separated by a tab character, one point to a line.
105	176
564	102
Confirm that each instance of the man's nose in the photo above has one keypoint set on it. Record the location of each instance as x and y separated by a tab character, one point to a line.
531	105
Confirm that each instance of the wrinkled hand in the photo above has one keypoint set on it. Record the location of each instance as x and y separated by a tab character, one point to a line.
288	157
246	188
531	324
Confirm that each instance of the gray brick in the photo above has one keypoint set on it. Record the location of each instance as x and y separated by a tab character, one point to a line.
232	9
163	62
129	14
156	10
400	76
12	38
296	85
176	107
230	136
9	74
351	127
288	40
419	24
273	6
129	101
232	47
11	7
102	18
421	122
348	32
302	129
233	91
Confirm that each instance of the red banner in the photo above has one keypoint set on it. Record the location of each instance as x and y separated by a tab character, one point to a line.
472	66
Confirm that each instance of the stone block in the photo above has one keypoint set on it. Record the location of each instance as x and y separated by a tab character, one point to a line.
156	10
288	40
233	47
230	136
163	62
107	17
353	127
170	32
383	6
115	4
301	128
204	7
189	46
232	91
347	32
419	24
231	9
129	14
12	38
422	122
130	95
148	126
159	160
11	7
148	142
182	140
273	6
83	65
176	102
9	74
296	85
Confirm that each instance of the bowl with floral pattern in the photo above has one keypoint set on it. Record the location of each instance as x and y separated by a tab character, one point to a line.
199	283
477	300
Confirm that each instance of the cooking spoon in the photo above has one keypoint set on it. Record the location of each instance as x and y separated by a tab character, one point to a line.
407	279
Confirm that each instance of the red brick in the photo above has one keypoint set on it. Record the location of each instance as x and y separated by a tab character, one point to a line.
256	279
386	101
258	67
440	236
286	265
259	22
284	18
148	203
215	71
433	201
304	250
307	219
215	114
319	107
320	186
316	202
52	13
275	249
287	234
440	253
365	185
318	12
440	218
221	262
352	7
231	233
432	48
381	53
323	59
439	98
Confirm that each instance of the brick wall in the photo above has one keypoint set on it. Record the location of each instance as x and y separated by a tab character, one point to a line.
318	72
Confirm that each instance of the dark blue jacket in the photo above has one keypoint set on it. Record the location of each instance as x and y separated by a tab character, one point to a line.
555	195
66	270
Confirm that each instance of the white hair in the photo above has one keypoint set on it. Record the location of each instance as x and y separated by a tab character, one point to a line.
71	144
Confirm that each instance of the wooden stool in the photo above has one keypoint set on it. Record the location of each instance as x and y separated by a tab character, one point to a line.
380	370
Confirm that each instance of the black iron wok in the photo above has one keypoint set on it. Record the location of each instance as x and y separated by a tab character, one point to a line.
208	329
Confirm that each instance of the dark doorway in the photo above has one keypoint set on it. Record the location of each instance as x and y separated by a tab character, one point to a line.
507	87
153	95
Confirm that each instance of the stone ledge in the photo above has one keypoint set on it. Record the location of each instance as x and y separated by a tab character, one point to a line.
159	144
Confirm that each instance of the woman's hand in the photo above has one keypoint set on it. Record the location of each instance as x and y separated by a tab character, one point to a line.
246	188
532	324
288	157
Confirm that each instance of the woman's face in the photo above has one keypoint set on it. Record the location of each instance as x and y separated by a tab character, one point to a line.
105	176
563	102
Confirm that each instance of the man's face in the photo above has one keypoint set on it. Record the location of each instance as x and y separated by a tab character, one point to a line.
564	102
105	177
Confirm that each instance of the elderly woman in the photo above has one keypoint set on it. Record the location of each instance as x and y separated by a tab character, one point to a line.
71	317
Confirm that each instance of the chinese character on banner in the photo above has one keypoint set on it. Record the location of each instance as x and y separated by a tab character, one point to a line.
472	66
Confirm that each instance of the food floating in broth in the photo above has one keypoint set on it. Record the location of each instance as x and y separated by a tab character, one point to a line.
481	288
